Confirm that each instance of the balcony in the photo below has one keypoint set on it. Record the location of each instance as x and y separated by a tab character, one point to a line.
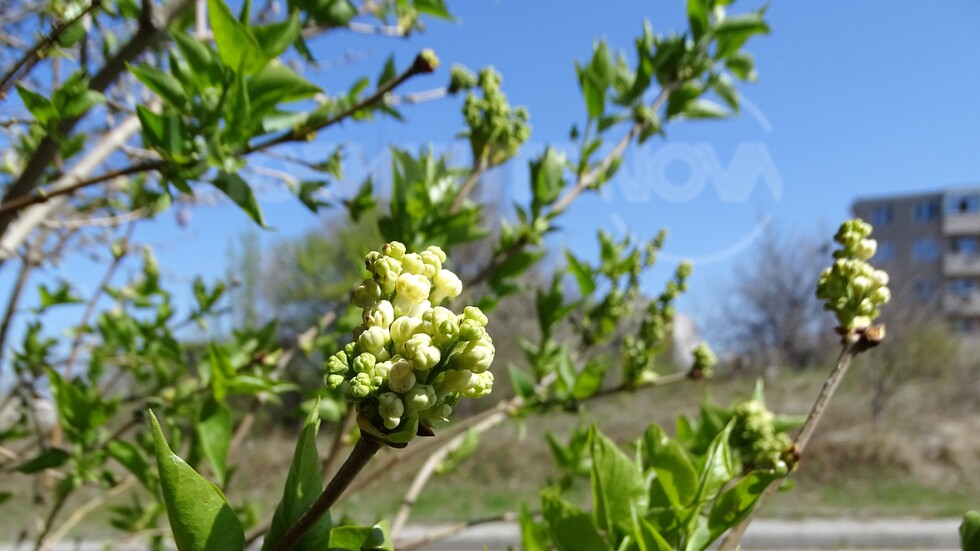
961	264
963	304
959	223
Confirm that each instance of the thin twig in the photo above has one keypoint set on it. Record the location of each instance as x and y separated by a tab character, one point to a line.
363	451
466	188
42	195
847	354
12	301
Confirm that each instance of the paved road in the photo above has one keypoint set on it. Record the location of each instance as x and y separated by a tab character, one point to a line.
763	535
769	535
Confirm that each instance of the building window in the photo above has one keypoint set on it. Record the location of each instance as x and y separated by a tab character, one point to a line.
925	250
961	286
881	215
924	289
963	204
965	244
926	210
886	252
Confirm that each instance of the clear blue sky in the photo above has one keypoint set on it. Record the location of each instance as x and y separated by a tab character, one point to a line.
854	99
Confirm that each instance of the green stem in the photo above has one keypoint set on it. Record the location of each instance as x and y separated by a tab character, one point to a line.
363	451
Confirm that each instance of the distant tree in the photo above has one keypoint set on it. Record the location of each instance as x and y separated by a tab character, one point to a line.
768	315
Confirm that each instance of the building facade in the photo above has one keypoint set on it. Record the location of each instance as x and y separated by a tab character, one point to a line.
930	246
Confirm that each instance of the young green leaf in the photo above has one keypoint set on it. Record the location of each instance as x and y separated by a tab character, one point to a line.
673	467
970	531
570	528
275	38
130	457
241	193
51	458
237	47
617	486
365	538
200	517
39	106
735	503
162	84
276	84
213	428
303	486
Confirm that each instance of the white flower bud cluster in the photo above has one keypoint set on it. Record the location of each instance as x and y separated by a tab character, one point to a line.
412	360
852	288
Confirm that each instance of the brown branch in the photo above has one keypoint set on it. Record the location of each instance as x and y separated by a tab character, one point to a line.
34	55
41	195
15	295
847	354
152	28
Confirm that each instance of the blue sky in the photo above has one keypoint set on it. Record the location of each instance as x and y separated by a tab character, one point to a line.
853	99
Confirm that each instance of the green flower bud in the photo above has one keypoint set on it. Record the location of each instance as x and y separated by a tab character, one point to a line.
367	293
360	387
365	363
373	340
381	314
475	355
456	380
879	278
470	330
386	272
334	381
865	249
881	295
421	353
445	284
460	78
438	252
402	329
350	350
337	364
401	376
419	398
393	249
475	314
861	285
482	386
391	408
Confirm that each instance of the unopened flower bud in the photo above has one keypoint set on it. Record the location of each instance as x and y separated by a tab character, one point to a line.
865	249
419	398
881	295
879	278
401	376
470	330
334	381
861	285
475	355
373	340
412	264
432	263
367	293
475	314
360	386
380	315
438	252
482	386
410	291
402	329
386	272
393	249
445	284
421	353
337	364
391	408
364	363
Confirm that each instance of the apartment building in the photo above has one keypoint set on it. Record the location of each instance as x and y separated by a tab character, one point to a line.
930	245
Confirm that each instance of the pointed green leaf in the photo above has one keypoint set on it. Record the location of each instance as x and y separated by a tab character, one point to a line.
237	47
704	109
51	458
970	531
646	535
735	503
213	428
365	538
617	485
162	84
673	467
241	193
276	84
200	517
571	528
275	38
719	467
534	536
39	106
130	457
303	487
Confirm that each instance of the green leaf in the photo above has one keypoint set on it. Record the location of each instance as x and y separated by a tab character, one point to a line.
547	179
742	65
582	273
704	109
130	457
162	84
725	88
697	17
39	106
534	536
388	72
205	66
435	8
200	517
719	467
241	193
213	428
571	529
51	458
222	373
617	485
152	124
274	39
373	538
362	202
674	469
237	47
735	503
589	380
970	531
732	32
646	535
276	84
522	382
61	296
303	487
